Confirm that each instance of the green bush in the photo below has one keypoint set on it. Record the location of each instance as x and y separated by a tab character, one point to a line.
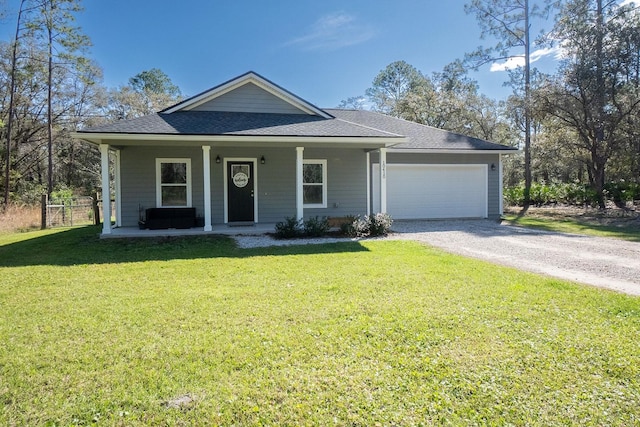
316	227
545	194
288	229
346	227
371	226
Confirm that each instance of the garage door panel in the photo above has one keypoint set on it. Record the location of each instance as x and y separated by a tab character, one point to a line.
434	191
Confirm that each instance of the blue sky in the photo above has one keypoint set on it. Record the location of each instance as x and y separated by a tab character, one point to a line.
323	51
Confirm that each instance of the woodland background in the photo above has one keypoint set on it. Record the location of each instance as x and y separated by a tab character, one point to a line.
578	126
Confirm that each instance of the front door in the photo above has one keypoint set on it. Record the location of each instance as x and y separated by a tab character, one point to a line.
240	191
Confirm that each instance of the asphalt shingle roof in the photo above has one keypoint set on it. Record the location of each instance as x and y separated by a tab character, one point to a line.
345	123
237	123
418	136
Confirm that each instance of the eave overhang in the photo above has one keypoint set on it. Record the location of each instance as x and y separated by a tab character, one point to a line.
452	151
123	140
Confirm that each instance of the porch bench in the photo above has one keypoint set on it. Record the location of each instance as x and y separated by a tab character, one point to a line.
164	218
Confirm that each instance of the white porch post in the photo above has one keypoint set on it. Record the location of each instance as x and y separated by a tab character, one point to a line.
299	187
500	183
106	192
118	191
383	180
368	183
206	164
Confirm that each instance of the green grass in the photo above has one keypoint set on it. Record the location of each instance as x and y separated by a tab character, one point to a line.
389	332
631	233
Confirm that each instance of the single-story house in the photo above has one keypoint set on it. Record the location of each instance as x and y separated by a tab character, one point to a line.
248	151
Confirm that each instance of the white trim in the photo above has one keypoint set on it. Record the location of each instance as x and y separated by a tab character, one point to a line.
368	156
225	175
500	183
242	80
153	139
206	174
443	151
383	180
322	162
299	187
159	161
118	170
106	190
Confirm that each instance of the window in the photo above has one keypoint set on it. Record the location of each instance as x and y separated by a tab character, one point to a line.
314	183
173	182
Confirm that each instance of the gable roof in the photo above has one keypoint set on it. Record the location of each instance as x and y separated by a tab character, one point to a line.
217	123
248	78
217	115
418	136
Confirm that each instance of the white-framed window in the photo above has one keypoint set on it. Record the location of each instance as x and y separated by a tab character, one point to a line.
173	183
314	183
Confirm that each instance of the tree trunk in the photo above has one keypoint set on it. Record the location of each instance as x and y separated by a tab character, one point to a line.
527	111
50	115
598	183
12	90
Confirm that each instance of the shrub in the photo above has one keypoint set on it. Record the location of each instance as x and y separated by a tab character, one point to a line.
380	224
289	228
346	227
316	227
371	226
544	194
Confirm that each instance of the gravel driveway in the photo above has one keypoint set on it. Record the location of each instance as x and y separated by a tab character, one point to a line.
599	261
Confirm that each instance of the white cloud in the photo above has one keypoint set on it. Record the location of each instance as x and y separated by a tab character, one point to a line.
333	31
518	61
626	2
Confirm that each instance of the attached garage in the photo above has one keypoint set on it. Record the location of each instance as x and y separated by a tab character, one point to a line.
434	191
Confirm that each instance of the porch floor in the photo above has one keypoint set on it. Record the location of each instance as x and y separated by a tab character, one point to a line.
124	232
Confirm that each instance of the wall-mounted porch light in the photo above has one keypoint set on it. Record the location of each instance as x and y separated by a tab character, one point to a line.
218	160
262	160
493	166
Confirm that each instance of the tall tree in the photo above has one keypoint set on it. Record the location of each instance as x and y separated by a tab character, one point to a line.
393	84
65	45
154	81
147	92
596	94
12	89
509	21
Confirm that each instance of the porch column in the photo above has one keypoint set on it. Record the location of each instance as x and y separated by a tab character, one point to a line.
368	156
500	183
106	192
383	180
299	187
206	165
118	191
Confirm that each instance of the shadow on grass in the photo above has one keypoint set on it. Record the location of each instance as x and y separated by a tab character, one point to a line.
82	245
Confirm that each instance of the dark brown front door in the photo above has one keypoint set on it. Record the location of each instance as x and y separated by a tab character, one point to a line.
240	191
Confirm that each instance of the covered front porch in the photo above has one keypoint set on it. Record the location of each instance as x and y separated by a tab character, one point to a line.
280	193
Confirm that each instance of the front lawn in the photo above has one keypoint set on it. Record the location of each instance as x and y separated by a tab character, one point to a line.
615	223
195	331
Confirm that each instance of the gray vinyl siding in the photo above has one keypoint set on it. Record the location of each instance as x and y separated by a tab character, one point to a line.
249	99
346	182
276	180
138	178
493	184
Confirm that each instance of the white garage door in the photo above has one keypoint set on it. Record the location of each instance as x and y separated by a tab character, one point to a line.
433	191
